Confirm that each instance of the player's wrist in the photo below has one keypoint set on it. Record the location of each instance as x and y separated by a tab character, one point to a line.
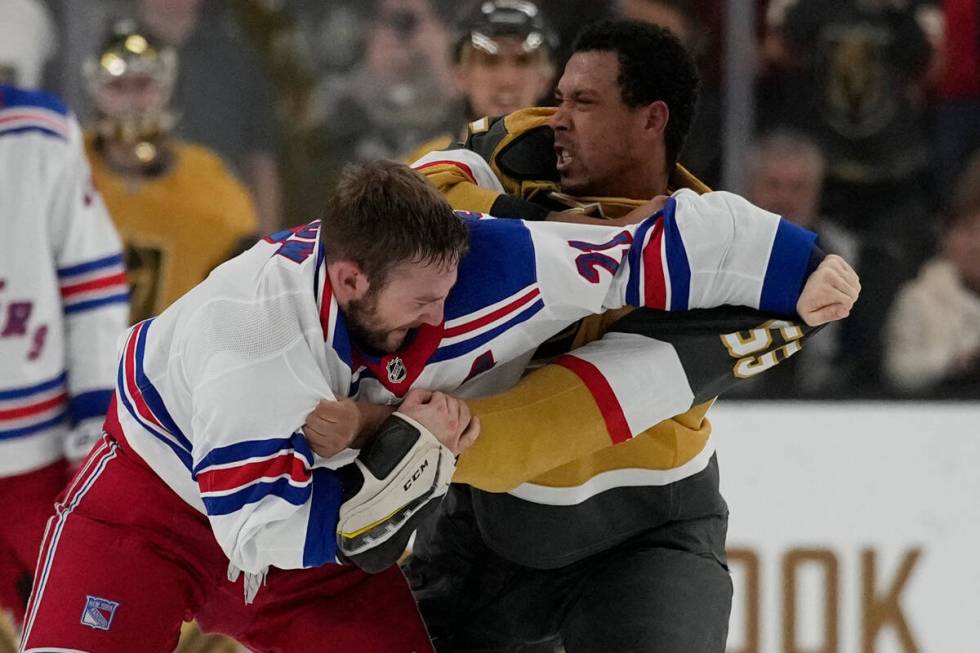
370	418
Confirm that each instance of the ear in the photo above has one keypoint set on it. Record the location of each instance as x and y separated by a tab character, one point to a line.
347	281
655	115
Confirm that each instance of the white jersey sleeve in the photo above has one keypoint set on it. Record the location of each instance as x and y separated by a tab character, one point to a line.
252	387
213	395
92	279
700	251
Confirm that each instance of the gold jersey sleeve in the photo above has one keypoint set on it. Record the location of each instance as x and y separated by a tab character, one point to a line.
460	189
440	142
177	225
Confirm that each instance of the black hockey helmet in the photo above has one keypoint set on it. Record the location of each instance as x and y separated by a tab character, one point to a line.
491	19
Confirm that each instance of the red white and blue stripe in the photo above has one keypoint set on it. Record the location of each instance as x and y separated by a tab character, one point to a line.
235	476
93	284
469	332
331	319
497	287
31	111
659	274
246	472
33	409
141	399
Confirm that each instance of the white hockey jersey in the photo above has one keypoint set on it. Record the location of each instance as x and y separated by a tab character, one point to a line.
214	391
63	293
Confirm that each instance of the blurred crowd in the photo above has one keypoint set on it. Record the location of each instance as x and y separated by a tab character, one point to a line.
238	114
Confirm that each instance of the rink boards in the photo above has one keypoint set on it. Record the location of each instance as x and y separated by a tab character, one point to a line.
855	527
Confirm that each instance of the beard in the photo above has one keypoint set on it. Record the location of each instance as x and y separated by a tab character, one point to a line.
361	314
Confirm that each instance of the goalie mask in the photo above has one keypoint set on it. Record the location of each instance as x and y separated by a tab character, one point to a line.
130	83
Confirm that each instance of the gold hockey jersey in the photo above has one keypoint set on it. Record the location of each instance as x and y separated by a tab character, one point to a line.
177	226
554	478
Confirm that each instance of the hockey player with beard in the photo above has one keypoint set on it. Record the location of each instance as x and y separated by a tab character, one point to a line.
559	527
206	471
177	206
63	304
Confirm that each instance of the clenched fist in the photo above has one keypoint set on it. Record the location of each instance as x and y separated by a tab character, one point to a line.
829	293
445	416
335	425
332	426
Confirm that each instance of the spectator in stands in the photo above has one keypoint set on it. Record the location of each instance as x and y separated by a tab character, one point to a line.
933	331
785	174
958	92
853	77
400	92
222	96
28	40
398	95
178	208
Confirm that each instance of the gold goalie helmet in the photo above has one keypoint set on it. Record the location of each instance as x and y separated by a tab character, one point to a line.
130	83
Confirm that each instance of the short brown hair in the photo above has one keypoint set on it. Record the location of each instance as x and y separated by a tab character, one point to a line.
383	214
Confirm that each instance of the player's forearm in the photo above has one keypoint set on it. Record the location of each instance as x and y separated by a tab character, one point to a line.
713	250
548	419
335	425
652	366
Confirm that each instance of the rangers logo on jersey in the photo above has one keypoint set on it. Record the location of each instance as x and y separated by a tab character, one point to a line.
98	612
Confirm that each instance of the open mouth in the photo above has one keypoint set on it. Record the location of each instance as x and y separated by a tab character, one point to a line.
564	157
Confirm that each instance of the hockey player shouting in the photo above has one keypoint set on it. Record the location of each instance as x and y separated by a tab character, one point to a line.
564	524
205	472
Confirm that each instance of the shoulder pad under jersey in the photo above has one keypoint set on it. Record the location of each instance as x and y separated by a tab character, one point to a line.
519	146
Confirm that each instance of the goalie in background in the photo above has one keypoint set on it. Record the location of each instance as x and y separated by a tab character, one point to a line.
178	208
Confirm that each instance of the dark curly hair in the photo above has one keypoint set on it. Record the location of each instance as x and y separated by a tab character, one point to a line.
653	65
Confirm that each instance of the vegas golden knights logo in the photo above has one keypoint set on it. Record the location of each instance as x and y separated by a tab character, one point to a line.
855	79
144	270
